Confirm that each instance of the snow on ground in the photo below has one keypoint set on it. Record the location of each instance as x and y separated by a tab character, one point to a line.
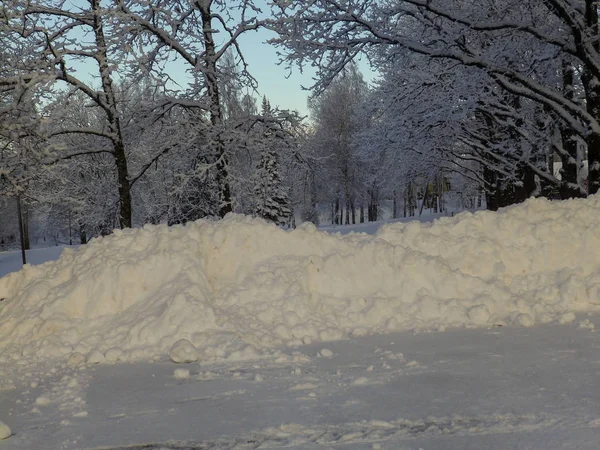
304	339
239	288
517	388
12	261
372	227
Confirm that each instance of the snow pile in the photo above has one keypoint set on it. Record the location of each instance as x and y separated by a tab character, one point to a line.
4	431
238	287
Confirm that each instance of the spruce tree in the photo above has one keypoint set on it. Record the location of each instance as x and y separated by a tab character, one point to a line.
271	199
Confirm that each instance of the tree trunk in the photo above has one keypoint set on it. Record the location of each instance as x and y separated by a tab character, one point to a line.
332	213
112	114
591	85
82	235
347	212
26	239
216	118
425	200
313	215
441	187
125	212
21	231
568	153
336	212
491	189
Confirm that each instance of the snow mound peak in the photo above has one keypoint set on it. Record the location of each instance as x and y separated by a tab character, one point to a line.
238	287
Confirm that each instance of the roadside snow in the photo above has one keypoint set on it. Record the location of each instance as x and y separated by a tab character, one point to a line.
4	431
239	288
466	389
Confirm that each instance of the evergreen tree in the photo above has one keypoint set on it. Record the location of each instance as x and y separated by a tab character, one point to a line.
271	198
266	110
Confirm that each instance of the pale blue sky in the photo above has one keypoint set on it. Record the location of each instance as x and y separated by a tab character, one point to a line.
287	93
283	89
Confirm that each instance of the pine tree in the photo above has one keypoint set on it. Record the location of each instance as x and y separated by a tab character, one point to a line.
266	110
271	199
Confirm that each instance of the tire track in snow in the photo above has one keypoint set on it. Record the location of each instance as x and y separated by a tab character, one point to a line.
295	435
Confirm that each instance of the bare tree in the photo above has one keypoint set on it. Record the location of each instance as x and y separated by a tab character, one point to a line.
187	30
509	42
48	28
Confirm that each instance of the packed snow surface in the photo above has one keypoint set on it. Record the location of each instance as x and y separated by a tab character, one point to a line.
237	288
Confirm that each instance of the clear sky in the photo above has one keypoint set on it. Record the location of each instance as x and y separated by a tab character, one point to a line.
282	88
275	81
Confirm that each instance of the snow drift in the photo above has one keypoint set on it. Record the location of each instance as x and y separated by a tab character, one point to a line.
238	287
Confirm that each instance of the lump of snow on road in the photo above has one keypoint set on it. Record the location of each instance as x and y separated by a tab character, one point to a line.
4	431
181	374
238	287
183	351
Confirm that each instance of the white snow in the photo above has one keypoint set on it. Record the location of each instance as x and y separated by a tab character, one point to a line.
326	353
463	389
183	351
239	288
248	306
181	374
12	261
4	431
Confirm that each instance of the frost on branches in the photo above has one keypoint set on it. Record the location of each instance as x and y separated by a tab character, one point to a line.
271	199
539	58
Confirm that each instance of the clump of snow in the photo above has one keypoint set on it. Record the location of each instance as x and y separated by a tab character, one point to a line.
238	287
325	353
4	431
525	320
479	314
76	359
114	354
360	381
42	401
183	351
567	317
95	357
181	374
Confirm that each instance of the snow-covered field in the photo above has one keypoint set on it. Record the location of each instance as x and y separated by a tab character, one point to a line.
12	261
475	331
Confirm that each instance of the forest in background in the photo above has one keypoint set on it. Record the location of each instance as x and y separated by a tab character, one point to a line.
476	103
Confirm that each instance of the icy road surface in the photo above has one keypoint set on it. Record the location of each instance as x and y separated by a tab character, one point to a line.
499	388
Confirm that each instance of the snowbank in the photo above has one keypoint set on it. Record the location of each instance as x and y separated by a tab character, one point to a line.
239	287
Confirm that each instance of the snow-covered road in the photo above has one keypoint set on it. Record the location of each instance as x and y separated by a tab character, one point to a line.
499	388
471	332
